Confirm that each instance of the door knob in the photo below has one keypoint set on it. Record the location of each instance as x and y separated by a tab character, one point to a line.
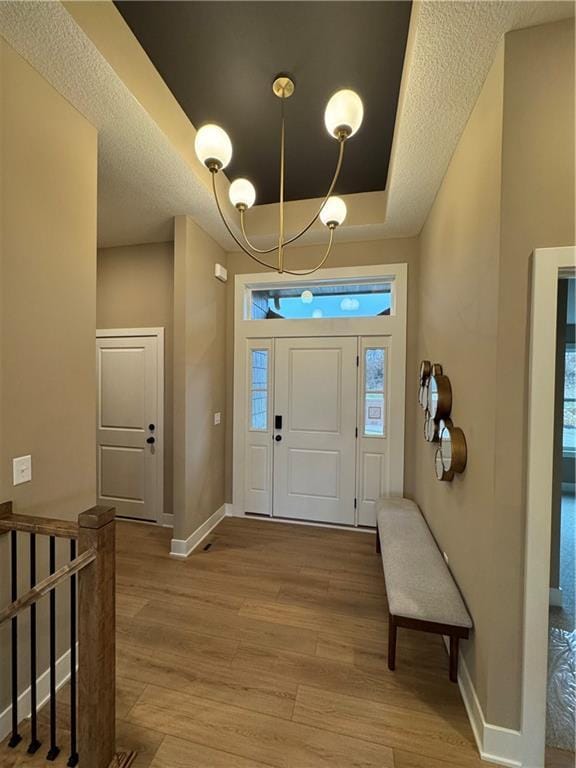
151	440
278	438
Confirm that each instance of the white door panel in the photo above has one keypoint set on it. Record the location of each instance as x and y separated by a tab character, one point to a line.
128	411
314	461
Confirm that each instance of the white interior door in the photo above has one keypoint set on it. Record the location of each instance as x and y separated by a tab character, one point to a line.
314	449
129	426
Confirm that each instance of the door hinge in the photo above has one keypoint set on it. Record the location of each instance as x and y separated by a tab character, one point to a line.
355	503
356	432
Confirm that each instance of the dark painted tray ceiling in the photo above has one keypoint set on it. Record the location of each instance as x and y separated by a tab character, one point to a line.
219	60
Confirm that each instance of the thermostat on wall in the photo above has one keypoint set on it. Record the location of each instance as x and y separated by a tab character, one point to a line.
221	272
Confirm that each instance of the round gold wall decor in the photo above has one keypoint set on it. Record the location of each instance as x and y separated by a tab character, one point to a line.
453	448
431	434
439	397
441	473
423	377
425	370
423	395
436	370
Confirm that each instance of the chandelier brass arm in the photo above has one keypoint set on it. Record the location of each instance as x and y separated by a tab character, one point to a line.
331	228
311	222
342	141
324	259
214	171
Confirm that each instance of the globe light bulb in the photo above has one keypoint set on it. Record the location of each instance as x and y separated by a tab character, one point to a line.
344	113
242	193
213	147
334	212
307	297
349	305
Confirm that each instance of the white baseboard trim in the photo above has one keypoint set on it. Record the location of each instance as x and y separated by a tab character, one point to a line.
166	520
556	597
183	547
43	694
502	746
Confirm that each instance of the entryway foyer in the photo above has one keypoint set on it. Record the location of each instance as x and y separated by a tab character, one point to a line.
271	273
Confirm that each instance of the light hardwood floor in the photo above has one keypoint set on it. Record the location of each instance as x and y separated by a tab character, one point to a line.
269	649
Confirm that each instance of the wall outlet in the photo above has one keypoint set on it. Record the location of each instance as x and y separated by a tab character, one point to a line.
217	418
22	470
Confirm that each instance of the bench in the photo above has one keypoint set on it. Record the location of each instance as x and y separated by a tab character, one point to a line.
422	593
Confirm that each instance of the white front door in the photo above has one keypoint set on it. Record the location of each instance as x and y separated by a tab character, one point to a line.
314	443
129	426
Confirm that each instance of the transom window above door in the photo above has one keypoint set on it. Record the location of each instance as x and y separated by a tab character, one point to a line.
319	301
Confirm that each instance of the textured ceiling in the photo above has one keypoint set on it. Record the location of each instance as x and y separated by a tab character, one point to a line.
324	46
453	47
144	181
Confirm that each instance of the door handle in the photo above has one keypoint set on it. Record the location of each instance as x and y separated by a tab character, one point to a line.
151	440
278	438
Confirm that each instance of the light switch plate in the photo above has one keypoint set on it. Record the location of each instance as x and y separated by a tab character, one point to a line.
217	418
22	470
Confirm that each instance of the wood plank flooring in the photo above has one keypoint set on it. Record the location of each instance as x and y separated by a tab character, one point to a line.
269	650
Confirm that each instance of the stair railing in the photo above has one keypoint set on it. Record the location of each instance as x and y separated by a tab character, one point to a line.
91	572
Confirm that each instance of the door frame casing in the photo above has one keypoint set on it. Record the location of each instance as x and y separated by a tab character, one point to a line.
158	333
548	265
393	325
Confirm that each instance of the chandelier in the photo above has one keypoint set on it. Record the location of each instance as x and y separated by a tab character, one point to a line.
342	117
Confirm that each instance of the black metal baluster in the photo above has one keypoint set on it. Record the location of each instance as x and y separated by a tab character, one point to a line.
34	743
54	750
15	738
73	759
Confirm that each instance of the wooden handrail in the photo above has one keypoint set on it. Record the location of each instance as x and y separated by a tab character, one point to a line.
46	526
95	567
47	585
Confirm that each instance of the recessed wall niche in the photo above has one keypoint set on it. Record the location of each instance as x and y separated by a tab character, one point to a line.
435	398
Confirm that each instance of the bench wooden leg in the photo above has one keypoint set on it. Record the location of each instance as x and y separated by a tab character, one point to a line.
392	630
454	644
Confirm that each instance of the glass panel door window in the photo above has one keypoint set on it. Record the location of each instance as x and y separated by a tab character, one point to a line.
569	432
259	390
374	392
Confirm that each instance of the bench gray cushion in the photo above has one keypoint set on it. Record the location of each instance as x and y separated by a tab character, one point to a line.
419	584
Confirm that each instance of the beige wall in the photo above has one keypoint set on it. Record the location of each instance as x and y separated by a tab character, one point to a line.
458	328
537	211
48	158
135	289
199	377
509	189
343	255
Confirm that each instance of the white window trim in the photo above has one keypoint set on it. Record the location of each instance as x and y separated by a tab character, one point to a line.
383	325
547	265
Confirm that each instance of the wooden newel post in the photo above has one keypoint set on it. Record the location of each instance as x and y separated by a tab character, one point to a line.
96	639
